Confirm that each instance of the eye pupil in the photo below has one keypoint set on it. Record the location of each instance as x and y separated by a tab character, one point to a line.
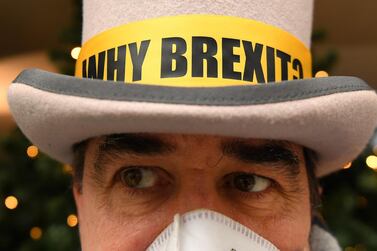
132	177
244	182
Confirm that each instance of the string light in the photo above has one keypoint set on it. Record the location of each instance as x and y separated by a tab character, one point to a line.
36	233
11	202
75	52
67	169
348	165
72	220
32	151
321	74
371	162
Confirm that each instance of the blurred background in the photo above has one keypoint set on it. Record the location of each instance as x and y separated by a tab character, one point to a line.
36	205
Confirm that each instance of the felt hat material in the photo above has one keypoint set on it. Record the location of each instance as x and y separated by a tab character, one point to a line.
334	116
315	113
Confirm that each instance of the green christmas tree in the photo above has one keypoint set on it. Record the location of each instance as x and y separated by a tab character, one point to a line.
38	204
38	211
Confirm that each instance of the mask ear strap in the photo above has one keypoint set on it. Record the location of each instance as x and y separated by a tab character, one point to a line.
175	235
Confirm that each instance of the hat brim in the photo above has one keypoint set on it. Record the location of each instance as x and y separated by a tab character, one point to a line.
333	116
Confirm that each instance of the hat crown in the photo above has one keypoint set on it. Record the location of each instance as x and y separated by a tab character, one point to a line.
294	16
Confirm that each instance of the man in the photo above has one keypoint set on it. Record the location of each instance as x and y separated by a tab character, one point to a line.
197	134
133	184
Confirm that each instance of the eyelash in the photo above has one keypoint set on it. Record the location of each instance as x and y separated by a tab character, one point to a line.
255	195
150	190
133	191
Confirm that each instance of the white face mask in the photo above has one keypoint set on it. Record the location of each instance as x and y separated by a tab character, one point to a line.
210	231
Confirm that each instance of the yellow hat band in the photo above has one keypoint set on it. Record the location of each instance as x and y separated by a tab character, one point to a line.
195	51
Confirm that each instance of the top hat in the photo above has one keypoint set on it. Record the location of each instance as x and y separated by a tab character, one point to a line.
231	68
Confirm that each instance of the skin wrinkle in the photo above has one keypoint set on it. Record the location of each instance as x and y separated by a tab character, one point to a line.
290	202
296	191
274	153
96	173
191	160
273	150
96	180
113	146
217	162
112	154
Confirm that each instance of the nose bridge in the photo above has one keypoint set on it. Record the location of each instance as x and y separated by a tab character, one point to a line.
197	183
198	190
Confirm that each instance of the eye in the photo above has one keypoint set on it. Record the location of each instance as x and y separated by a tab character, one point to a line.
246	182
138	177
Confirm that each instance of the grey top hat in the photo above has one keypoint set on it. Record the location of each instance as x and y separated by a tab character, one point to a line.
56	111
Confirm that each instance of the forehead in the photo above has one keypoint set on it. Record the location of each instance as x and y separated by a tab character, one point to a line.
280	154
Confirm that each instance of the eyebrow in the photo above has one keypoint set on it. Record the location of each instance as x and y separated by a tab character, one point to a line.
274	154
136	144
115	145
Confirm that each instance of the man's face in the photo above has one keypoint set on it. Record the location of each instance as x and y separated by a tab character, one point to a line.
134	184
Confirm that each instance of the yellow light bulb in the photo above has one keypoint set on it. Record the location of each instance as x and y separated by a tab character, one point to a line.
321	74
348	165
67	169
75	52
36	233
72	220
371	162
11	202
32	151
